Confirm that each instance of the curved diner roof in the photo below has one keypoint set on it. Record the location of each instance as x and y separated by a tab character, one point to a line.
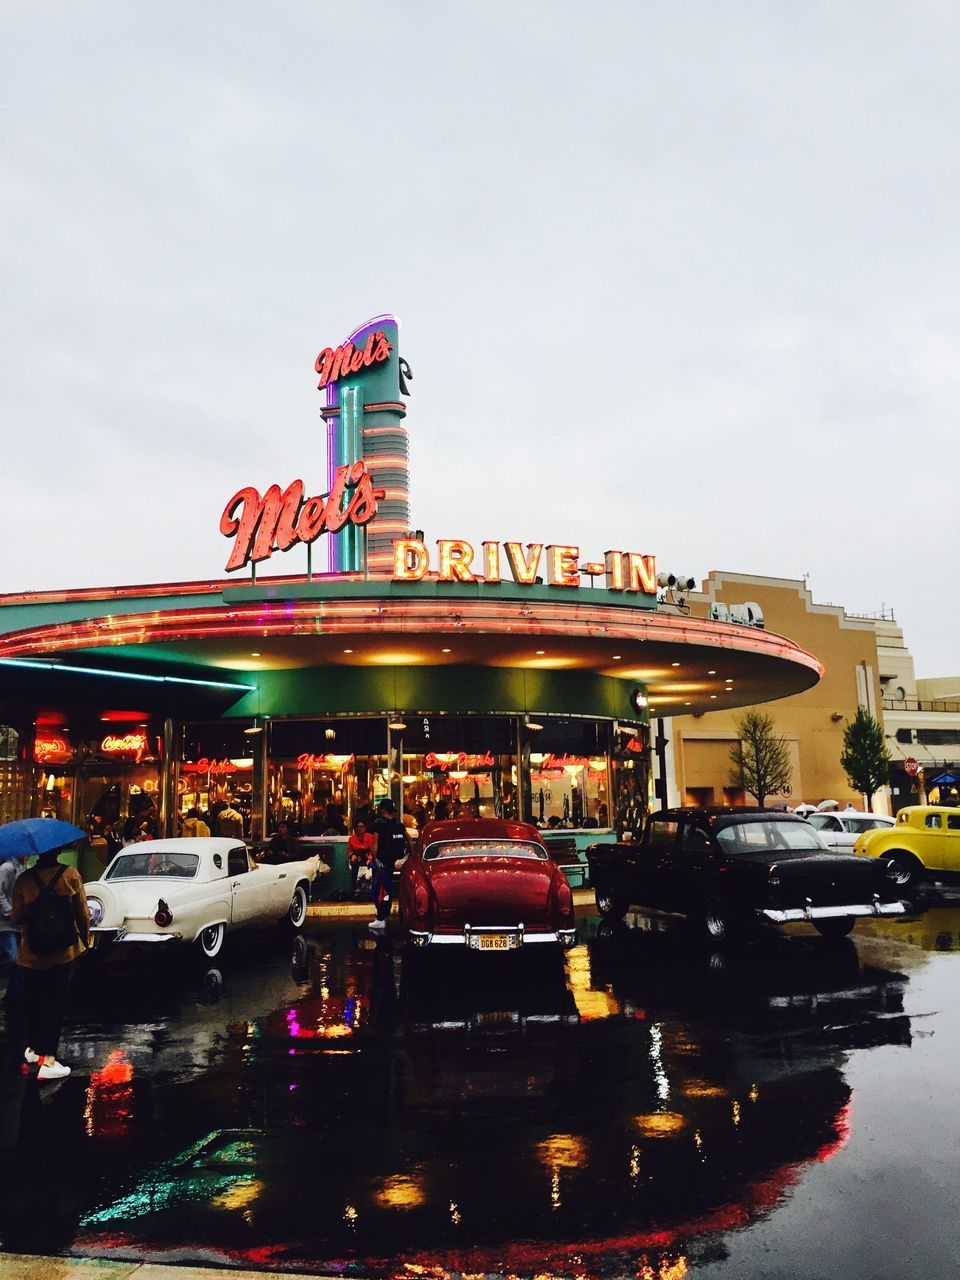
687	664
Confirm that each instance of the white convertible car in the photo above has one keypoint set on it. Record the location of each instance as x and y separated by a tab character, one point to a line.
194	890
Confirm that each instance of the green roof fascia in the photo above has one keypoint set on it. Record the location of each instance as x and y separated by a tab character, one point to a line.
457	690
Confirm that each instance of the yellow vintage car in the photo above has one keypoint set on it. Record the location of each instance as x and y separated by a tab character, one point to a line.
924	839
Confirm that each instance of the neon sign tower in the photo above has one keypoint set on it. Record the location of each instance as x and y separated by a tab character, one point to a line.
363	380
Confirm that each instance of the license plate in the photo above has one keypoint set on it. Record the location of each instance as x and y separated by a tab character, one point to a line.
491	941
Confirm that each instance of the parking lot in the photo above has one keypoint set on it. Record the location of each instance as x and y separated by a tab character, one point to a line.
651	1106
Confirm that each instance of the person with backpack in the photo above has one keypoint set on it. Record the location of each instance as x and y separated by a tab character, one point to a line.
390	844
49	908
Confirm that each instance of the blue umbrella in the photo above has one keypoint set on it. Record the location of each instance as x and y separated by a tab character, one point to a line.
36	835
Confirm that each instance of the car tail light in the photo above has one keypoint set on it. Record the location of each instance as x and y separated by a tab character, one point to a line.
564	896
421	901
773	877
164	916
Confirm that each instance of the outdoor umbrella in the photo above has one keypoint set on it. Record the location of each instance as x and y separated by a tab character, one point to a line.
36	835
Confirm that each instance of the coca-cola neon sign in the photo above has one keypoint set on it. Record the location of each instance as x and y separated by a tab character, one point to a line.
281	518
448	760
334	363
134	744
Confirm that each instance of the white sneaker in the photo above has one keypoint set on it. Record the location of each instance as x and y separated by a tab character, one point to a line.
30	1056
53	1071
377	925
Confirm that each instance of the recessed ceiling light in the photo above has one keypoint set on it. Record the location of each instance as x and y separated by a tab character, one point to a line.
541	652
616	657
444	650
674	664
348	651
686	704
713	697
255	654
711	673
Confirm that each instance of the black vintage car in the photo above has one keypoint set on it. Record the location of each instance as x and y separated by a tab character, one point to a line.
733	868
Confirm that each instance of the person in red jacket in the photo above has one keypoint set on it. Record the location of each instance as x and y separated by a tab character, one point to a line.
359	852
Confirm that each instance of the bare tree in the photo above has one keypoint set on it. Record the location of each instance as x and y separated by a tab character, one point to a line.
760	760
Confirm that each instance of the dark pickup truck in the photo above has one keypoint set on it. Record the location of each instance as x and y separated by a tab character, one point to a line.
732	868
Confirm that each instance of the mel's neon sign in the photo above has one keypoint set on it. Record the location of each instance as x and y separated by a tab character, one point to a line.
334	363
279	519
557	564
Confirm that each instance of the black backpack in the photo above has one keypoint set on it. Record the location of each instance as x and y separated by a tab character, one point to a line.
51	925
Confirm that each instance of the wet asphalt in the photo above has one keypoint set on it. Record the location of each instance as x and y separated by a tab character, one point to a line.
650	1107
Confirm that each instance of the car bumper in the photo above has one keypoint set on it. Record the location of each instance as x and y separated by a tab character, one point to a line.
492	938
103	937
791	915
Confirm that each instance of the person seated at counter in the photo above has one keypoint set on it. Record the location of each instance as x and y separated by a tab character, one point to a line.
359	852
283	845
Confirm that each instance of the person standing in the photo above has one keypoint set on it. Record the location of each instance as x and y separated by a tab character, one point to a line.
230	821
9	938
194	825
49	907
359	852
390	844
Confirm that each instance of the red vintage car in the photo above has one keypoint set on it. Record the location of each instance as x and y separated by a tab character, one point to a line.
484	884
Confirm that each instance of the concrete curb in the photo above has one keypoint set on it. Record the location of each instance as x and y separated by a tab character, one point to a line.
20	1266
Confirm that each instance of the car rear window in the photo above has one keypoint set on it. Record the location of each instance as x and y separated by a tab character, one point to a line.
484	848
153	862
865	824
761	838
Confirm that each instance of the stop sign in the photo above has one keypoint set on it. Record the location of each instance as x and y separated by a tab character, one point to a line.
911	766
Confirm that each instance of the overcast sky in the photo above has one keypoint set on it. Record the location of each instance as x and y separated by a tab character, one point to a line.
679	278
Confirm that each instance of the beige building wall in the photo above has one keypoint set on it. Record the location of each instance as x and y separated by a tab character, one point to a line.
812	722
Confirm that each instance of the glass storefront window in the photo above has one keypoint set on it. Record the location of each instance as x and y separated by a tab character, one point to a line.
456	766
117	781
630	776
569	773
323	774
218	777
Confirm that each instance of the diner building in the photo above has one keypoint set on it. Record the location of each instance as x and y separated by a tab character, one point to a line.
508	679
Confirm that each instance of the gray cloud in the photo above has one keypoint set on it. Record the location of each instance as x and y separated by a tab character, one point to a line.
680	278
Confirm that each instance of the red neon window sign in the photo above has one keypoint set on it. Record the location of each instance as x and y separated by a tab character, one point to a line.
135	744
51	750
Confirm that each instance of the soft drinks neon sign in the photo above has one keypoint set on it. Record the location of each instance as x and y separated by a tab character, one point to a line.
134	744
